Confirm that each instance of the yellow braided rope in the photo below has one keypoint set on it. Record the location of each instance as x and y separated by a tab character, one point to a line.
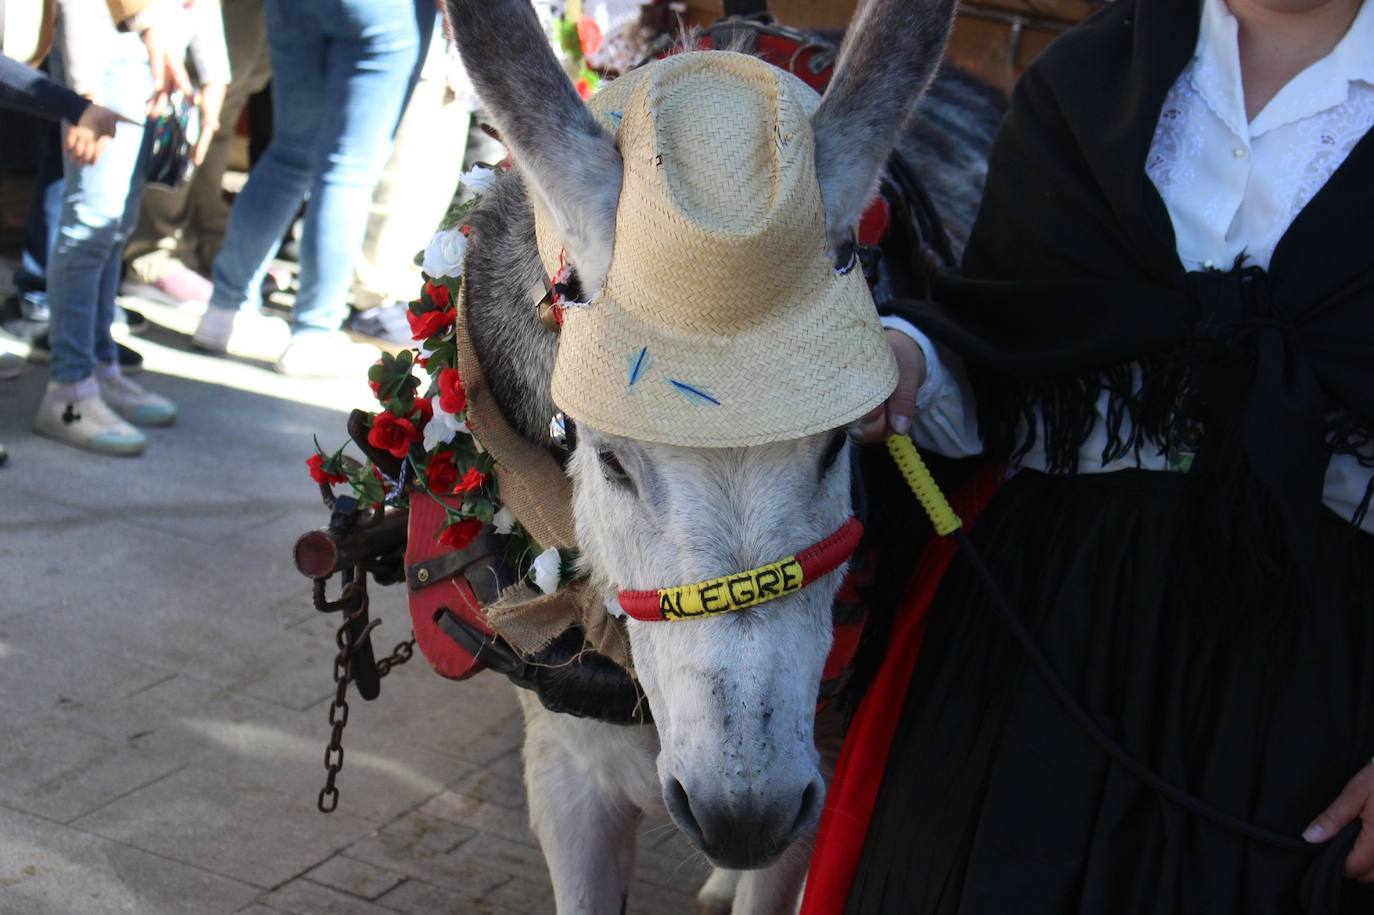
909	461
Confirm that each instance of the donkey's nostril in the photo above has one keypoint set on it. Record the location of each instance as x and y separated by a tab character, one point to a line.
810	805
680	809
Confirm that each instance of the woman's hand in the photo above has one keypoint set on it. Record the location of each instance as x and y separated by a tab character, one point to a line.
169	69
1356	800
894	417
211	104
86	139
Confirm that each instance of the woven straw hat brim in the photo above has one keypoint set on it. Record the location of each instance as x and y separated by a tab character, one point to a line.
767	384
722	322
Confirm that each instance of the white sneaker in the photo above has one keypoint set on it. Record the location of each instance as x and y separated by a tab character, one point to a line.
11	366
219	327
140	407
326	355
87	423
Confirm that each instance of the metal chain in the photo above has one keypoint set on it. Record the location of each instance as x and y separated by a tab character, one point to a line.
402	653
354	602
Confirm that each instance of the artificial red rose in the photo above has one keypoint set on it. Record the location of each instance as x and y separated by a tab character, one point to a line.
441	473
426	325
426	409
452	397
472	481
392	434
584	89
588	35
438	294
461	534
317	472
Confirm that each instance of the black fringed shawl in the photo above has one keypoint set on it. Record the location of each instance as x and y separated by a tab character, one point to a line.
1071	275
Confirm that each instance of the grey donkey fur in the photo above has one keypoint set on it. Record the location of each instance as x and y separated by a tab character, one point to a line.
946	142
891	56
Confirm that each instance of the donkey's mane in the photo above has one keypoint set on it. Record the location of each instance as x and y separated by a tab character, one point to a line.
503	271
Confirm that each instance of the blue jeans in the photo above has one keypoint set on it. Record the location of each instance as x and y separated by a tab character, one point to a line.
45	212
341	73
99	210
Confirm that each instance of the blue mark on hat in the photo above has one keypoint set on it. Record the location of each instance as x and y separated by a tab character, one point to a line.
615	116
698	396
638	364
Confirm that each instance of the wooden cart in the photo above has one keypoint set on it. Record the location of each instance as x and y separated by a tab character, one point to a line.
996	39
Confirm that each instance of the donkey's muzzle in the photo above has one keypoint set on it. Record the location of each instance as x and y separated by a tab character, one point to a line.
746	830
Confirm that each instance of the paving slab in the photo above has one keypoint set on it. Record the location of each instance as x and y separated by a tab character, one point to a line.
302	897
651	899
45	667
49	869
416	897
255	742
466	873
59	772
486	817
253	834
523	895
357	878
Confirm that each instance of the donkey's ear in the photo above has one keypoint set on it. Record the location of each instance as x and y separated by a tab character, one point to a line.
565	156
889	57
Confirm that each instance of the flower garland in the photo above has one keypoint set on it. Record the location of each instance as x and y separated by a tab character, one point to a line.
429	433
579	36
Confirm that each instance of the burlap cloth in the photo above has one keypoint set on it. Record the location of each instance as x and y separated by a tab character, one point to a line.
535	489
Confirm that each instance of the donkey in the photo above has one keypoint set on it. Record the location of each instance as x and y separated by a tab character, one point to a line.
732	755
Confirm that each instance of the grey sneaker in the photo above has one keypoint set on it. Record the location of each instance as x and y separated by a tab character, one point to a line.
11	366
87	423
140	407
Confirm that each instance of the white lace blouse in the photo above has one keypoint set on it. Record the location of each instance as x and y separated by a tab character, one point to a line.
1232	187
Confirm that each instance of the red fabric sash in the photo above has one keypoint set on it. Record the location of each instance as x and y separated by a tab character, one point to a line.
863	757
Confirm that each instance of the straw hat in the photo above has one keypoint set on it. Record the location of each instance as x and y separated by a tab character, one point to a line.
722	321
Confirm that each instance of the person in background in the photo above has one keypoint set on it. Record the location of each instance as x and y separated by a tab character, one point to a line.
180	231
342	70
89	403
30	91
28	30
413	194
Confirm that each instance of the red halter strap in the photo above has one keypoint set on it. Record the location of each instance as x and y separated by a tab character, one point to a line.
745	589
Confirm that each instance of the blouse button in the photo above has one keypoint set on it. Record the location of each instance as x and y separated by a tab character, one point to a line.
1238	152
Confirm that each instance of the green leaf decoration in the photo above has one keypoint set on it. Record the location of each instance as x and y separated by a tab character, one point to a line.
395	384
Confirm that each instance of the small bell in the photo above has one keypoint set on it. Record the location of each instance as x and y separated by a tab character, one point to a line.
558	429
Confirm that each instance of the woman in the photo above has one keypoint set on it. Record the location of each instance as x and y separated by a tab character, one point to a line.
89	403
1167	313
341	73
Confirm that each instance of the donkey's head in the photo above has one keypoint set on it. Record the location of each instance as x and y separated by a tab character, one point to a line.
684	476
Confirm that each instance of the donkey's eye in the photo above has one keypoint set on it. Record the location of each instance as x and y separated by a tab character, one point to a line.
613	469
832	451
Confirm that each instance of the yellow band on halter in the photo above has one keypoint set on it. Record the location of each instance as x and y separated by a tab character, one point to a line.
923	485
731	592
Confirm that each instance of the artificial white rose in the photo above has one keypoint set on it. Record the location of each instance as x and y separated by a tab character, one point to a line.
478	179
504	520
547	570
442	427
444	255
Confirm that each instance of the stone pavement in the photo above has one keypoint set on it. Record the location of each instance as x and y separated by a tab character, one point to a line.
164	684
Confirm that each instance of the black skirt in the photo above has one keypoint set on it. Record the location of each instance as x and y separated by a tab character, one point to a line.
995	802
